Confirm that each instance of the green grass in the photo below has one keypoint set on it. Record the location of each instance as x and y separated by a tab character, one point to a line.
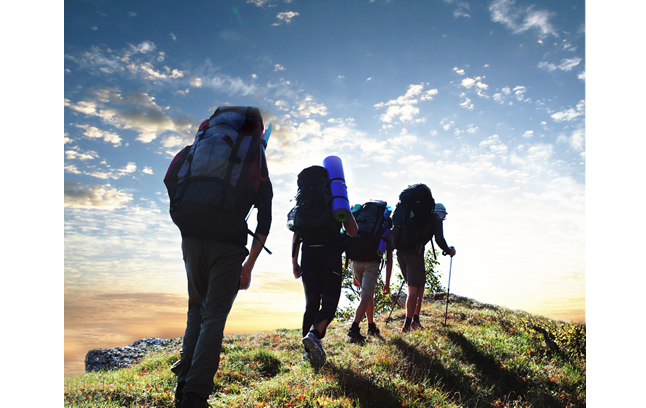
483	357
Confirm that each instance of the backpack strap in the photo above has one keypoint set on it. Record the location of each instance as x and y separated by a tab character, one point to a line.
433	246
256	237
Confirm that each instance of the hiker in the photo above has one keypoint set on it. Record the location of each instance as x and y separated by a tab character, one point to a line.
214	240
321	257
414	269
367	250
416	220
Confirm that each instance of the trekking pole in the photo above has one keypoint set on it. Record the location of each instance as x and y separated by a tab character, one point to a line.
448	291
395	302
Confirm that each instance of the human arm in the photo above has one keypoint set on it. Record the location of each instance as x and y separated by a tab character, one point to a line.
256	248
296	245
439	238
350	226
265	195
389	269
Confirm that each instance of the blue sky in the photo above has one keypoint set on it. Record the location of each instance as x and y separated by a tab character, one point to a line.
485	102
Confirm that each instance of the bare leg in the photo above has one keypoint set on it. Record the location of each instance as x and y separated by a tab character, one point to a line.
370	311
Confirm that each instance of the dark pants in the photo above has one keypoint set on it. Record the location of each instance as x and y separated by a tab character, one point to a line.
213	269
322	280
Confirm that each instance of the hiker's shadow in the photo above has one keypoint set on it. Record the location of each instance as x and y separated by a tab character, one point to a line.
506	384
361	388
424	367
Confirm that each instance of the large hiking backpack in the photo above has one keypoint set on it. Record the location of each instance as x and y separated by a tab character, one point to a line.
415	206
373	219
212	184
312	216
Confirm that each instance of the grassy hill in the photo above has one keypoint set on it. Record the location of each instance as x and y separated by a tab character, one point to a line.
485	356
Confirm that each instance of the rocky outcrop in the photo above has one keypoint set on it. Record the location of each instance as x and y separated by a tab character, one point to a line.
121	357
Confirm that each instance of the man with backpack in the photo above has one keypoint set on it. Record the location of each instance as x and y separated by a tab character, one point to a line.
367	250
417	219
212	186
321	259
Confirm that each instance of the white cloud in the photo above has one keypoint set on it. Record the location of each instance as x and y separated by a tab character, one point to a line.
306	108
173	140
528	134
576	140
93	132
458	71
570	114
566	64
446	124
461	8
98	62
404	139
519	19
538	19
143	47
494	144
519	91
85	107
403	108
468	82
77	155
466	103
550	67
286	16
475	83
536	159
137	60
101	197
230	85
137	111
282	105
104	173
258	3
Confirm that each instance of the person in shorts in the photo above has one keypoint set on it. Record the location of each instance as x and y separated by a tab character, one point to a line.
412	265
366	275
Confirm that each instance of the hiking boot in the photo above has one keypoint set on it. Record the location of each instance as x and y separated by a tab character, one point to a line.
416	326
373	330
192	400
315	350
355	335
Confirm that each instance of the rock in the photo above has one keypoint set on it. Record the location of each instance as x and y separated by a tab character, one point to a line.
121	357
